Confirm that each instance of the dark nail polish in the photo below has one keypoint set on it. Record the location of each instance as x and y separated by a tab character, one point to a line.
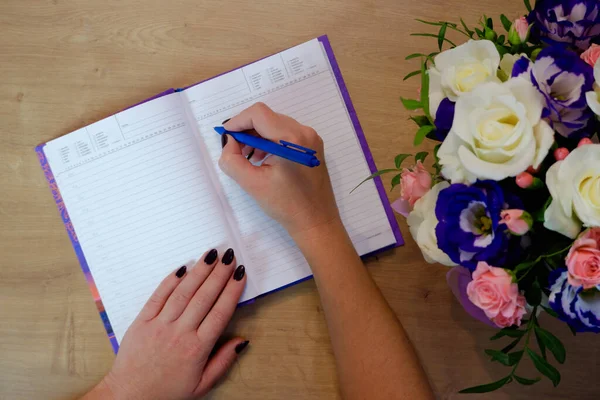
211	256
181	271
249	156
239	273
227	257
224	122
241	346
223	140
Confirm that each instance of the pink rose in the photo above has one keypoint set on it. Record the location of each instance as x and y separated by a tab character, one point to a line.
583	260
515	319
522	28
414	183
591	55
493	291
518	222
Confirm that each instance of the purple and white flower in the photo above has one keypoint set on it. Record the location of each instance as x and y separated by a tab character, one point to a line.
563	79
578	308
470	228
575	22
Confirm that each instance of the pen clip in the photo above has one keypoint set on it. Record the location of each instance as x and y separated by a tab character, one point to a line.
298	147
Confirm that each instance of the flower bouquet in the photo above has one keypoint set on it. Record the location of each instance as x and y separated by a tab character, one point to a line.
513	204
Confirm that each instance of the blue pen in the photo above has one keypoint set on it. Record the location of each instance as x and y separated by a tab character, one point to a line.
287	150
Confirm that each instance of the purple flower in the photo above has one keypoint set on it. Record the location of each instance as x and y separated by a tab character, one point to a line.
575	22
444	117
578	308
470	227
563	79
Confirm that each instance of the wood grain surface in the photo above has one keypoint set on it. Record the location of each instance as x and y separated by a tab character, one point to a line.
65	64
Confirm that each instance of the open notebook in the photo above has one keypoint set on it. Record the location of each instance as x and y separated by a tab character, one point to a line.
145	194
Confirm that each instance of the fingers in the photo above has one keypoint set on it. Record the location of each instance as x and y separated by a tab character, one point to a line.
204	298
181	296
218	317
265	121
220	363
159	298
235	164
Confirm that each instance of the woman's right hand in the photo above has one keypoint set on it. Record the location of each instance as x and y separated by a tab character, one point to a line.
298	197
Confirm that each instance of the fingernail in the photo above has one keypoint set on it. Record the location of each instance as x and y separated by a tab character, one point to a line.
181	271
241	346
224	122
223	140
249	156
239	273
211	256
227	257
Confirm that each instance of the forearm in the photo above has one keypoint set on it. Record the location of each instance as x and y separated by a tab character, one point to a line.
373	354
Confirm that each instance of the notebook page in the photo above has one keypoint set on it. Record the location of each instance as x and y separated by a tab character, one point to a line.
139	200
298	82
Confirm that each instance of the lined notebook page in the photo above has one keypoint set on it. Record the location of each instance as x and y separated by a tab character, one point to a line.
298	82
140	202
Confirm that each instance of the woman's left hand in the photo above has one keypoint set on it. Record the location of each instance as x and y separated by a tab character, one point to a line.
167	353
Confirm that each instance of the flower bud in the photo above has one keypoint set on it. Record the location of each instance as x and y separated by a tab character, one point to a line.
518	222
519	31
584	141
561	153
490	34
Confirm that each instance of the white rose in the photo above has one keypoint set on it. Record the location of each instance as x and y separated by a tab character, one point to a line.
574	185
508	62
422	222
497	133
459	70
593	98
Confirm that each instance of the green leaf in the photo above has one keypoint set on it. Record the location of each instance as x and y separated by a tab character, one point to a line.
420	120
469	31
421	133
396	181
411	74
534	294
527	5
500	39
510	332
489	23
550	311
425	90
490	387
515	357
479	33
525	381
414	55
410	104
552	343
436	23
441	36
503	358
572	329
420	156
505	22
544	367
541	345
434	36
511	346
525	265
400	158
374	175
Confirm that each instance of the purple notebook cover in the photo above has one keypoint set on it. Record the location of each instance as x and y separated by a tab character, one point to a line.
362	140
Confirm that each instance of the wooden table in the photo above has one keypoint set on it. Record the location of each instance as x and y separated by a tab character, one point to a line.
65	64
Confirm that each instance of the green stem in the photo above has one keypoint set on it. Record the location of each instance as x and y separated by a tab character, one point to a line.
530	327
540	258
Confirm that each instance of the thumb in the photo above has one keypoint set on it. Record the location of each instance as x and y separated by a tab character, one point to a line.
220	363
